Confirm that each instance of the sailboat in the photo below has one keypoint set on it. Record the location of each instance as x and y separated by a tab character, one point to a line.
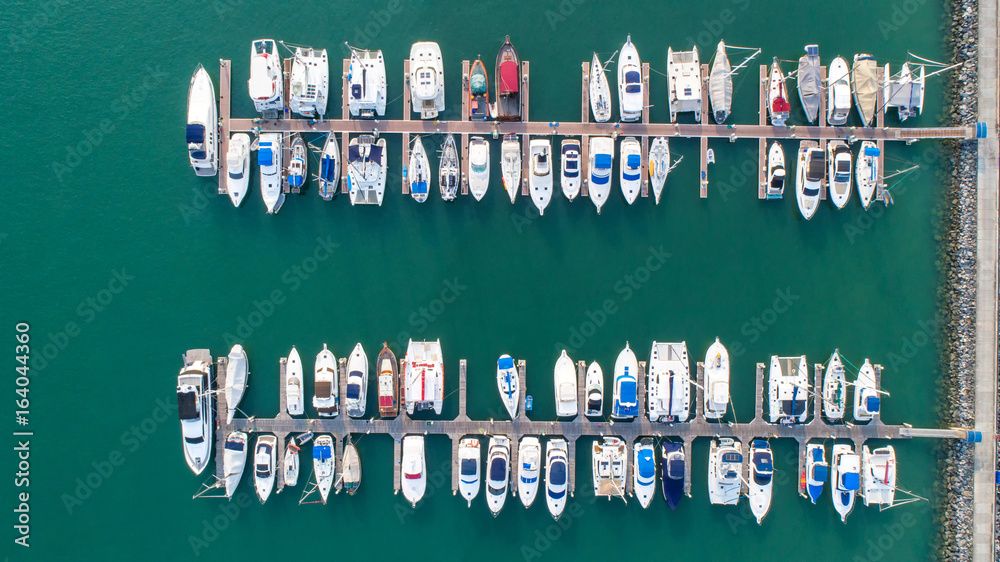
388	383
426	79
838	92
644	471
324	465
202	131
366	170
479	92
866	173
866	395
351	464
668	382
237	371
864	86
540	173
366	83
625	405
238	168
761	478
419	172
659	165
720	84
479	167
565	387
329	168
839	174
631	169
326	384
510	165
569	180
905	91
630	84
777	96
529	466
810	82
423	376
413	469
600	92
263	465
294	384
834	388
309	82
817	470
507	383
298	166
555	476
234	461
716	380
775	171
468	468
449	169
594	391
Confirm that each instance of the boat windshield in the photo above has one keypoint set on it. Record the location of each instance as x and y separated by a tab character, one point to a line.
263	471
234	445
557	474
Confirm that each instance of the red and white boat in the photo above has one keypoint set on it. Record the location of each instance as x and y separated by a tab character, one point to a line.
423	376
777	96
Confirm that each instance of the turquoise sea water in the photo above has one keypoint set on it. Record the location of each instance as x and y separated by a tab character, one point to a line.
120	259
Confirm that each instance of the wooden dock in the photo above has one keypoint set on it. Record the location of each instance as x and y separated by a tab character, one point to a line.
225	109
762	141
463	145
703	174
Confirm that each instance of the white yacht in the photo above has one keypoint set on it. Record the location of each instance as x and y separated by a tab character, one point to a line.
659	165
809	175
449	169
194	408
497	473
309	83
788	390
556	468
834	388
760	481
414	469
202	132
864	86
529	468
777	96
569	179
294	384
510	165
234	461
631	169
594	391
625	402
357	382
817	470
684	83
866	174
263	465
329	168
725	465
237	371
298	164
601	156
327	384
565	387
426	79
775	171
845	479
838	92
644	471
600	92
629	82
810	84
668	383
540	173
479	167
269	155
609	466
238	168
351	463
468	468
366	79
507	383
839	173
266	84
720	84
324	465
716	380
904	91
418	174
878	470
866	395
366	162
290	472
423	376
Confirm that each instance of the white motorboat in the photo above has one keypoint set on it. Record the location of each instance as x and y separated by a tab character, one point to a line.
366	169
838	92
775	171
684	83
290	471
238	168
194	408
725	465
761	476
237	371
569	179
263	465
810	83
507	383
809	175
351	463
298	165
777	96
327	384
720	84
357	382
866	174
659	165
788	390
610	458
866	395
329	168
309	82
601	157
426	79
625	402
269	155
497	473
234	461
904	91
839	173
479	167
324	465
834	388
449	169
845	479
366	79
864	86
510	165
468	468
266	84
817	470
418	174
540	174
878	470
529	468
629	82
600	92
423	376
644	471
631	169
594	391
414	469
716	380
202	131
668	382
565	387
294	384
556	469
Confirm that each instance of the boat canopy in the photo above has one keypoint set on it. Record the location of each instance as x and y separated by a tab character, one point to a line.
420	187
634	161
477	82
602	161
505	363
632	82
780	105
850	481
647	468
570	147
195	133
468	467
354	390
321	452
820	472
630	177
627	394
675	469
871	404
326	167
557	475
793	407
871	151
375	153
265	157
187	405
323	389
234	445
498	470
508	77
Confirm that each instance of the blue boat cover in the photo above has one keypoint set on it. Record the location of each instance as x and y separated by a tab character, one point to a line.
762	460
505	363
572	165
676	469
630	177
851	481
820	472
570	147
871	404
234	445
602	161
871	151
628	392
196	133
420	187
812	50
817	454
264	158
557	474
634	161
599	180
647	468
632	77
353	391
375	154
758	444
322	452
326	168
353	153
498	470
295	180
468	467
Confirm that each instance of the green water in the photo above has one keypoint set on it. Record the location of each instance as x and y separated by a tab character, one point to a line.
195	268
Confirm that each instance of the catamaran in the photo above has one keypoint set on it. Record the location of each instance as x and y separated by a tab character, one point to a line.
324	465
672	467
845	479
269	157
423	376
294	394
529	466
716	380
508	73
237	371
569	179
629	83
468	468
298	166
329	168
788	390
449	169
761	478
366	80
684	83
357	382
263	465
839	173
838	92
775	171
599	166
631	170
366	168
388	383
644	471
864	86
600	92
878	469
594	391
266	84
809	174
866	175
555	476
540	176
817	470
309	83
238	168
866	395
725	464
234	461
510	165
668	382
479	167
479	92
609	459
202	131
414	469
905	91
351	464
426	79
419	173
659	165
625	405
834	388
327	384
810	83
498	473
194	408
507	383
565	387
777	96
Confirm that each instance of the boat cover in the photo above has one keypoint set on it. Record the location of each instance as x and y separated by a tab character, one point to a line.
627	395
508	77
817	455
647	468
506	363
557	474
420	187
820	472
871	404
863	83
780	105
498	470
632	82
187	405
385	401
323	389
195	133
478	84
570	147
354	390
850	481
675	470
375	153
326	167
353	153
602	161
794	407
468	467
265	157
810	86
634	161
872	151
630	177
234	445
599	180
321	452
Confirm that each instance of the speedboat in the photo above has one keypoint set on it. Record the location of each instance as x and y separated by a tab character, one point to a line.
834	388
263	466
324	465
510	165
817	470
716	380
600	92
508	73
269	156
366	162
867	174
599	166
684	83
497	473
238	168
540	176
479	92
866	396
449	169
659	165
864	86
468	468
426	79
761	476
788	390
237	370
556	468
644	471
720	84
725	465
565	387
569	180
594	391
351	464
507	383
625	405
668	382
838	92
672	467
878	469
904	91
414	469
777	96
809	175
329	168
327	384
194	408
629	82
234	461
298	166
266	84
309	82
366	80
631	170
845	479
202	131
529	467
290	471
609	466
839	173
775	171
810	82
479	167
423	376
388	383
419	173
357	382
295	401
